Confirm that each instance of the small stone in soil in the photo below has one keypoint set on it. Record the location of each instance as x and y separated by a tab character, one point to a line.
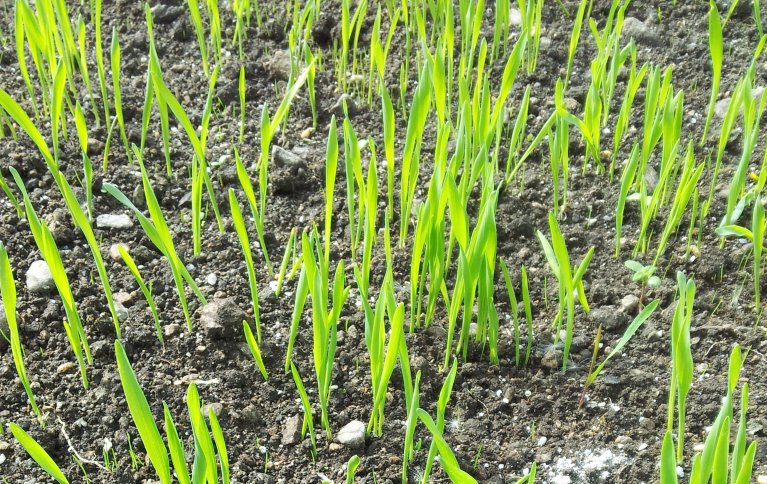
629	304
221	318
124	298
551	359
352	434
39	277
291	433
114	221
65	367
121	311
114	251
609	317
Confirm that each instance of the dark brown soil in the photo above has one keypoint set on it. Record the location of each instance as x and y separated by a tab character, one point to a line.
501	418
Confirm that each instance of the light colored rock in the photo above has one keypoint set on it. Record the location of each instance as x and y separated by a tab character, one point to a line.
211	279
114	221
515	17
121	311
39	277
291	433
352	434
278	65
124	298
65	367
221	318
640	31
114	251
630	304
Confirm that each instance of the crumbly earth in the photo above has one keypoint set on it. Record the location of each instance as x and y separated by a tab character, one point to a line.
501	418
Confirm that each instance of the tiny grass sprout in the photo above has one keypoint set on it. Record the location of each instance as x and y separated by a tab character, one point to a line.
645	274
47	245
570	282
630	331
715	49
146	291
351	468
39	454
205	467
8	297
308	421
156	228
444	398
242	235
681	358
254	350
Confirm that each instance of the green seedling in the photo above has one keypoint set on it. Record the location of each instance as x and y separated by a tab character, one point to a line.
308	421
630	331
146	291
444	398
715	49
142	416
254	350
156	228
37	453
8	298
681	358
351	469
47	245
570	282
644	274
242	235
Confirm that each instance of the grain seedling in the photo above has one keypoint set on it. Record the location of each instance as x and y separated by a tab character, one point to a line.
630	331
99	50
681	359
419	111
383	357
756	236
204	467
115	65
514	309
728	124
575	36
47	245
622	121
324	318
254	350
241	93
351	468
531	12
627	179
145	290
156	228
447	459
737	196
82	136
308	422
200	176
476	268
8	298
444	398
715	50
331	168
142	416
411	421
718	461
250	195
242	235
36	451
286	257
199	31
570	282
